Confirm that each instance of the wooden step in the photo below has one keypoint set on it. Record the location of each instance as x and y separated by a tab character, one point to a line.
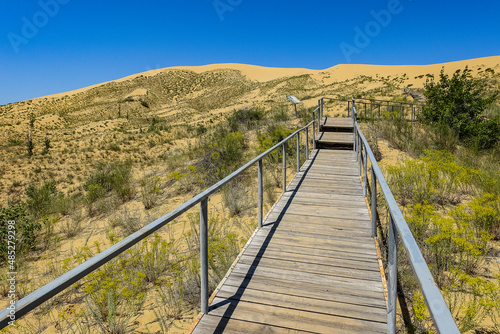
335	140
336	124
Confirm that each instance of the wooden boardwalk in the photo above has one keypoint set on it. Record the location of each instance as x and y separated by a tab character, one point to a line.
313	266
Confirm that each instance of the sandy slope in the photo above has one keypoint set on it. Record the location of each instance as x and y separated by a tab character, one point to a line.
339	72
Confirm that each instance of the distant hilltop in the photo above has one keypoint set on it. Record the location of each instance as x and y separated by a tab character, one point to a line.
416	74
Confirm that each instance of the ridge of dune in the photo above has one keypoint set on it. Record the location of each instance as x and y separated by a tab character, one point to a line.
347	71
338	72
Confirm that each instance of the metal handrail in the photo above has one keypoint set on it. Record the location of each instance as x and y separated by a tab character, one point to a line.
441	315
34	299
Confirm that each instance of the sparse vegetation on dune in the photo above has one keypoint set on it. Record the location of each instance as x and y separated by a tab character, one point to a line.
104	162
448	191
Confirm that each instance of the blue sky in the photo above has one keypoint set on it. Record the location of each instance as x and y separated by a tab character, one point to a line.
52	46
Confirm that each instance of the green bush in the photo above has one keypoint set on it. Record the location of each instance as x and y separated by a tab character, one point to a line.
482	214
41	198
26	229
458	103
436	178
272	136
114	176
222	153
245	119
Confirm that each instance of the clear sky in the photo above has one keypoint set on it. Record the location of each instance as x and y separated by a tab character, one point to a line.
52	46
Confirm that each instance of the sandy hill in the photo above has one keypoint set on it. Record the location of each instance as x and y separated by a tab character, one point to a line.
184	98
154	119
193	96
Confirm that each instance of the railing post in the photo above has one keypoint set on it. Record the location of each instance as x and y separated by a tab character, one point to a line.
348	108
314	131
393	276
204	254
365	172
322	104
284	167
360	155
261	193
353	108
371	109
355	143
374	203
307	143
298	151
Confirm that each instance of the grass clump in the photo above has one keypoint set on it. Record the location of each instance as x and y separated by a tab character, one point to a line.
115	295
112	177
41	197
222	152
150	189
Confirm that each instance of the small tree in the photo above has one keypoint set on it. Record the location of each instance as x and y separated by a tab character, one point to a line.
47	146
457	103
29	140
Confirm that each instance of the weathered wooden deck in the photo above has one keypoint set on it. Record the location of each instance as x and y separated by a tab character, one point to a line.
313	266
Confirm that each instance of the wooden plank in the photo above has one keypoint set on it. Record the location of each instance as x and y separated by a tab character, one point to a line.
340	249
312	267
216	324
314	290
317	228
337	137
333	268
319	305
338	121
320	258
296	319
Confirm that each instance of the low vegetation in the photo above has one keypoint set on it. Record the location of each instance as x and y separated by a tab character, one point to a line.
448	190
83	171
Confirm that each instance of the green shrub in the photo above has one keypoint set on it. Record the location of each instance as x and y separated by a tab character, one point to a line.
114	295
280	114
457	103
114	176
26	229
245	119
41	198
150	188
266	140
15	142
436	178
223	152
482	214
236	198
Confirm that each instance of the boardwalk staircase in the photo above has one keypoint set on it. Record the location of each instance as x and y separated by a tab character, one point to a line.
336	133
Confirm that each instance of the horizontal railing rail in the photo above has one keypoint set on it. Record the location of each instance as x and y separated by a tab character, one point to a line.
36	298
441	315
374	107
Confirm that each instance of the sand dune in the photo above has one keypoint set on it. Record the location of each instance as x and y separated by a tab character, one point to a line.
339	72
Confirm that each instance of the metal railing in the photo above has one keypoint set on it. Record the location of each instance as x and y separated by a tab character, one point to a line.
36	298
373	107
441	315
